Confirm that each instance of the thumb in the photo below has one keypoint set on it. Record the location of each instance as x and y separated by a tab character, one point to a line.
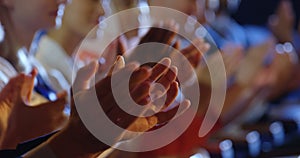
118	65
28	85
84	76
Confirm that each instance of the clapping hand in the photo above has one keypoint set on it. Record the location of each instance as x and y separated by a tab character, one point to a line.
18	116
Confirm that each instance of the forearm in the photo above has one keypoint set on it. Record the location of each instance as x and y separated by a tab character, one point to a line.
238	99
9	139
65	145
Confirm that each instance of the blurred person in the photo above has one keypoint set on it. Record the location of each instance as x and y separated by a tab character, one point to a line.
64	144
23	21
79	18
252	21
275	19
19	20
239	96
131	38
18	117
187	7
219	24
16	49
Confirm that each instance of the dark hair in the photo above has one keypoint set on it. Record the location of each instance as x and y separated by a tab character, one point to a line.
255	12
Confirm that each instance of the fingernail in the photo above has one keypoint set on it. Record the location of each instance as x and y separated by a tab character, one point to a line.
174	70
166	62
120	62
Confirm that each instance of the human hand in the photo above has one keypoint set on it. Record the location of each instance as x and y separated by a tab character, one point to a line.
195	51
189	59
253	62
282	71
108	57
232	56
139	87
165	33
282	22
20	117
156	44
12	90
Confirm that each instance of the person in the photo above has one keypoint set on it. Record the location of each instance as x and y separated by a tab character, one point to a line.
239	95
78	20
18	116
277	22
23	17
131	38
21	21
64	144
224	29
16	49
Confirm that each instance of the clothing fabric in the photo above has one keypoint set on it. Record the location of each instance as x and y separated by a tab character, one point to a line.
225	30
7	71
56	62
24	147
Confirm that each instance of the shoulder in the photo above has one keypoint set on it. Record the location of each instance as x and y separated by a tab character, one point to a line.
48	48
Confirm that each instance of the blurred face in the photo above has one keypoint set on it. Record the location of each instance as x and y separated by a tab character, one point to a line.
34	13
120	5
81	16
186	6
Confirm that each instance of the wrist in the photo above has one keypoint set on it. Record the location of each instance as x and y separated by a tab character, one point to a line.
66	144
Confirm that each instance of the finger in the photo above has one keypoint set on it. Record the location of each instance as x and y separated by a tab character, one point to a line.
120	77
139	76
203	47
84	75
29	85
152	35
192	47
195	59
171	28
174	52
168	37
62	94
176	45
171	94
104	87
118	65
167	79
34	72
120	48
159	69
162	102
164	117
159	35
141	93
